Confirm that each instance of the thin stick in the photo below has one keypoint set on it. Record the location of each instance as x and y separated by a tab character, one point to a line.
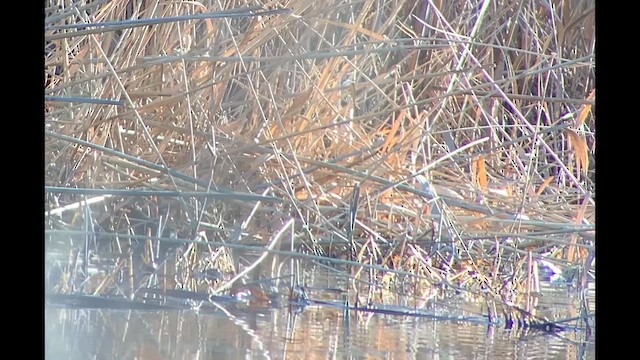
244	272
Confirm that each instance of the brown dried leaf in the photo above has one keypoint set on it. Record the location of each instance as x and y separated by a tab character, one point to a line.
391	139
585	110
544	185
482	178
580	149
573	252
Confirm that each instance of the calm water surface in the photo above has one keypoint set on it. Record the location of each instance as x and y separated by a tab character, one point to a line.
226	332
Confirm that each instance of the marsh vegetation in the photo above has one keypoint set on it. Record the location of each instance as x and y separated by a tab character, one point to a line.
431	149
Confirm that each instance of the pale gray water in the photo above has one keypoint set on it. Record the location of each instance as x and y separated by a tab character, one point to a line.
315	333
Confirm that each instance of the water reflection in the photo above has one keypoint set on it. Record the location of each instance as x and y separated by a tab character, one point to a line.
316	334
224	331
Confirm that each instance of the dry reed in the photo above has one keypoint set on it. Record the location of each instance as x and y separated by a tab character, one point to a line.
465	128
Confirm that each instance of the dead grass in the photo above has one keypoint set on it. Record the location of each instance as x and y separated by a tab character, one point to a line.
490	106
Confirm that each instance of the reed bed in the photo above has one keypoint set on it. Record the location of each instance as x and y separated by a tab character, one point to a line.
451	141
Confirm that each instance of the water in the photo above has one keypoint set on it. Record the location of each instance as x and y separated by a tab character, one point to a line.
316	332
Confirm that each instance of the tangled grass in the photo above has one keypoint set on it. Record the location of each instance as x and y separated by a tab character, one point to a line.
454	140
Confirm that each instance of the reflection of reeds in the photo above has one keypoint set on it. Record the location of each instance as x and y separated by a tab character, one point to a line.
453	143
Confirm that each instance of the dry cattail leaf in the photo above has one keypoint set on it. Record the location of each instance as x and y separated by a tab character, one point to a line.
391	138
580	148
481	174
585	110
573	253
544	185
